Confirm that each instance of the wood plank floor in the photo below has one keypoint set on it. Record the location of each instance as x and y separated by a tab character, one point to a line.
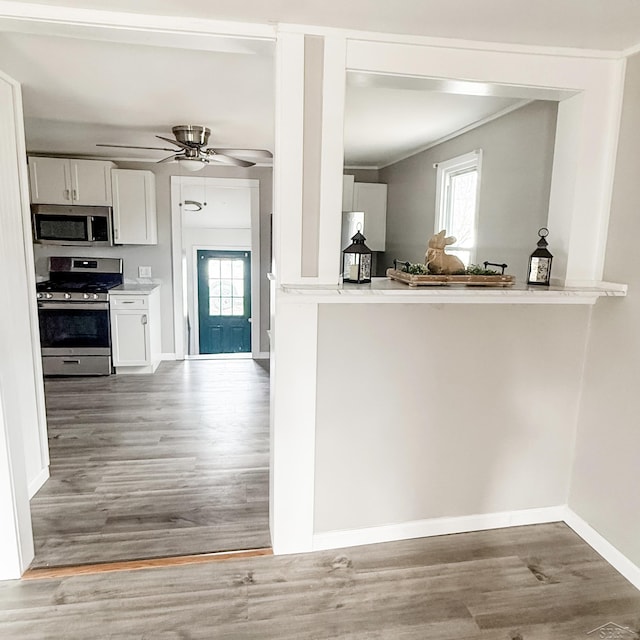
527	583
174	463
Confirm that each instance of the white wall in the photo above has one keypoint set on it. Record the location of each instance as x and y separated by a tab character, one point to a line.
158	257
426	411
606	490
514	191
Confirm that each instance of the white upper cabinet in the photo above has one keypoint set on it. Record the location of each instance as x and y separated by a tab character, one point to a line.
134	207
372	199
70	181
91	182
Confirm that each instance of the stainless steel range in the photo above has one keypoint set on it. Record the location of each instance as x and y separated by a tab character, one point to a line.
73	311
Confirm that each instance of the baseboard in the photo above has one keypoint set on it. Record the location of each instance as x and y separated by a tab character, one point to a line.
615	558
435	527
38	481
141	370
167	356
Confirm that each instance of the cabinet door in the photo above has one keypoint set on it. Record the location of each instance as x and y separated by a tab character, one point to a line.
91	182
130	338
134	207
372	199
50	180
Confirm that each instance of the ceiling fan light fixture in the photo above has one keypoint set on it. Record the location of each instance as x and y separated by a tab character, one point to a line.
193	164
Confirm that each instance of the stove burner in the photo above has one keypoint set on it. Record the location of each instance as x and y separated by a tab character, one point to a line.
91	287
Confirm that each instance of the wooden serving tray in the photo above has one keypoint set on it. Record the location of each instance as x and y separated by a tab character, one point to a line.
475	281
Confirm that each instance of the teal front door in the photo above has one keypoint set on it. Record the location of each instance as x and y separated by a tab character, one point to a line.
224	301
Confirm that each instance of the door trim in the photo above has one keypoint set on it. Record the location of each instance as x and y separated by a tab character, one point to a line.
179	261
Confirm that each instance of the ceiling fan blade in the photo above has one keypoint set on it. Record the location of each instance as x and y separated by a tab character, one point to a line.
170	158
245	153
130	146
182	145
224	159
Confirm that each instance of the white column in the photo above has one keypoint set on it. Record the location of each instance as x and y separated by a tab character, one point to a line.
287	171
307	251
293	414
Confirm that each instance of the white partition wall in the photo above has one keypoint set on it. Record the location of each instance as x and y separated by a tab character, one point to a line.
589	90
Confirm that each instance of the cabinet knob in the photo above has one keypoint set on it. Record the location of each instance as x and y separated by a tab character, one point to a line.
144	319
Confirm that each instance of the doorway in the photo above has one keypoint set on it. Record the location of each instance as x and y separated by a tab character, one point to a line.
216	225
224	301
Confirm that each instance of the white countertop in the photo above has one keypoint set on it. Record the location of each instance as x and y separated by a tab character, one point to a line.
135	287
385	290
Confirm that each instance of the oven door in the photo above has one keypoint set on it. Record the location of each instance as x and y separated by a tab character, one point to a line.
74	328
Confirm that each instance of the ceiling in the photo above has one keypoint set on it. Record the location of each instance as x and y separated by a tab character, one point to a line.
590	24
79	92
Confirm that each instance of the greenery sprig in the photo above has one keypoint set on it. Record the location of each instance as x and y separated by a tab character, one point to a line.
417	269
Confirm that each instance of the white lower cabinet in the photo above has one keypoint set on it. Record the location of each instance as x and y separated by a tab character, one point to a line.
135	330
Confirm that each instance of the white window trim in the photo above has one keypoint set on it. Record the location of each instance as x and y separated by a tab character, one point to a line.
473	159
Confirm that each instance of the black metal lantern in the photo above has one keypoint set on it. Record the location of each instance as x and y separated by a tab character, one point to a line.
356	261
540	261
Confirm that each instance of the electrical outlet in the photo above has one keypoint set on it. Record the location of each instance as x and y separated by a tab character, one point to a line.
144	272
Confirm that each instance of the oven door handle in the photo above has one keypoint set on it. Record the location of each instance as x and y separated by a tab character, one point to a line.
74	306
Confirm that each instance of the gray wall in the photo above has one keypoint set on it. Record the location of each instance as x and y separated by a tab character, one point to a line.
426	411
363	175
605	488
158	257
514	192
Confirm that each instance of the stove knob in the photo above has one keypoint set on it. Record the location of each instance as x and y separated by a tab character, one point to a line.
67	296
48	296
95	296
85	296
39	296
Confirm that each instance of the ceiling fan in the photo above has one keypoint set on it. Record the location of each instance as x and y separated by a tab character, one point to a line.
193	154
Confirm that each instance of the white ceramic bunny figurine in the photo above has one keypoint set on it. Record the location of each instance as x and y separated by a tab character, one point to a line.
437	261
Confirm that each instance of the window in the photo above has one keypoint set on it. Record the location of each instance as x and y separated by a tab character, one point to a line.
226	287
457	189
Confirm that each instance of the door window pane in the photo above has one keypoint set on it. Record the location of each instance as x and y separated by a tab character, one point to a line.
238	288
238	270
238	307
227	307
214	306
226	288
214	268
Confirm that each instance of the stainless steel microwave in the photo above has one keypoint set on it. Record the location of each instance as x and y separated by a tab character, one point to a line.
71	225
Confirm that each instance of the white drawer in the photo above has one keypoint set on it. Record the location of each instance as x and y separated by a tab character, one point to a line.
129	302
